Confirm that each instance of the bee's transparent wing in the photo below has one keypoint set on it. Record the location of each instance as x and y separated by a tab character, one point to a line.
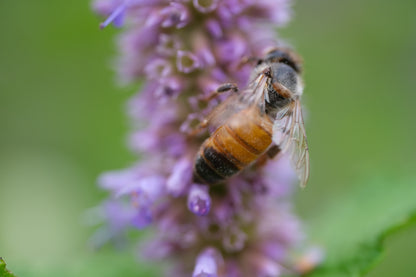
249	98
289	134
223	111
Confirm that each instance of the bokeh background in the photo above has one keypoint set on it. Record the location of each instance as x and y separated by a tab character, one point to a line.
63	122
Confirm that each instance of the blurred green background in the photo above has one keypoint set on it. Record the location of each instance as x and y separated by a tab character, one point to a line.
63	122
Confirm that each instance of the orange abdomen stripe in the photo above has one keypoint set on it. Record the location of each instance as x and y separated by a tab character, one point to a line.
232	147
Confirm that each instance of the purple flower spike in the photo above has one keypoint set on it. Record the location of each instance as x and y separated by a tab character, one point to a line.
181	51
207	264
199	201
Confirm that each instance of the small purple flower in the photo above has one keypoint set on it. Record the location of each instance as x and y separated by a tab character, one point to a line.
207	264
175	15
168	45
234	240
199	201
157	68
186	62
181	51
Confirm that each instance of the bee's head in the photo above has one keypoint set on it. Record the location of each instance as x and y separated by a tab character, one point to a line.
284	68
284	56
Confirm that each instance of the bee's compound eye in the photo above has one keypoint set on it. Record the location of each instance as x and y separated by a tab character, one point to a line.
274	55
281	56
285	75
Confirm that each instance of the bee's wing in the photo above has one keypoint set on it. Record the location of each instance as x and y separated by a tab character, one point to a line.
289	134
224	110
251	97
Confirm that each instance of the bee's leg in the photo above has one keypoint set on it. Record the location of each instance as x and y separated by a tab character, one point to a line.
226	87
198	130
270	154
221	89
205	123
273	151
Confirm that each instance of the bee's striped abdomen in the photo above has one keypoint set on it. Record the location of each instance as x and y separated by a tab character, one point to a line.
233	146
212	166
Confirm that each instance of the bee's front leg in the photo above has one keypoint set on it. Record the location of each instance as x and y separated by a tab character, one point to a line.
203	125
199	129
272	152
221	89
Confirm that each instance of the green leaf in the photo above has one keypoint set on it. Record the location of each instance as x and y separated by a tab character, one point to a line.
3	270
367	255
354	227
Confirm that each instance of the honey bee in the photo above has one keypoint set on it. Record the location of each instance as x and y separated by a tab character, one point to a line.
262	120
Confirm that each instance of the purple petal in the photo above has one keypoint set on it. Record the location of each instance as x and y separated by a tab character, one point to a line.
144	193
170	87
219	75
277	11
206	264
208	85
176	145
232	50
118	214
142	218
175	15
232	269
151	188
206	56
268	269
274	250
264	266
180	178
158	69
279	177
117	15
116	180
199	201
205	6
157	249
145	140
214	28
